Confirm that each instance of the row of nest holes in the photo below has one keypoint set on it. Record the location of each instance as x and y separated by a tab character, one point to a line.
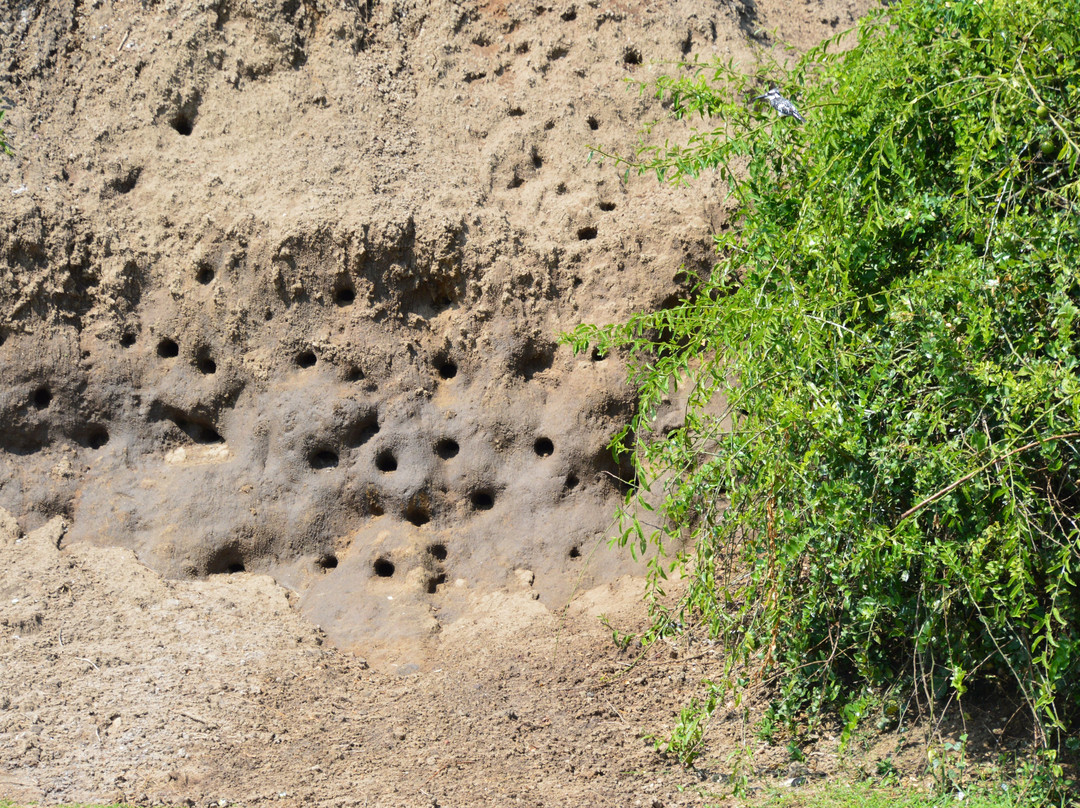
386	461
168	348
446	368
384	567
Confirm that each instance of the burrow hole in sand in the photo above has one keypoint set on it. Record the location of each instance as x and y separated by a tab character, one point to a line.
416	513
41	398
182	123
306	359
447	448
543	447
323	458
447	368
167	348
383	567
199	432
482	499
434	582
327	561
437	551
385	461
94	437
204	362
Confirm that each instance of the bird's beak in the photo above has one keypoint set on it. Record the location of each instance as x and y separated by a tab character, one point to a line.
758	97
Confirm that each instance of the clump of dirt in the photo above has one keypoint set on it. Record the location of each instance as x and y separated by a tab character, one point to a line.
280	289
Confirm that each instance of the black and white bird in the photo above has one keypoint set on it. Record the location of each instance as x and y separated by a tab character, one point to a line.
781	105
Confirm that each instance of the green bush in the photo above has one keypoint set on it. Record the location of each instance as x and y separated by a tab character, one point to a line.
891	491
4	147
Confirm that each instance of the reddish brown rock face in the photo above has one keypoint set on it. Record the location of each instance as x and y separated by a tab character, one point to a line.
281	284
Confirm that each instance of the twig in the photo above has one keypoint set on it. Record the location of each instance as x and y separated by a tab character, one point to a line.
677	660
610	707
124	41
942	492
195	718
84	659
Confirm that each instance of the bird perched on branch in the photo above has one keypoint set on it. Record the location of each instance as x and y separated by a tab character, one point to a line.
781	105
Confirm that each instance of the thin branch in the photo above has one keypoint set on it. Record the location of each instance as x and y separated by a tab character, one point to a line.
956	484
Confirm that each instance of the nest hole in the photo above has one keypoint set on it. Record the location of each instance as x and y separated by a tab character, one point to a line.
345	296
204	362
543	447
167	348
571	482
516	112
631	56
306	359
437	551
127	339
586	233
447	369
204	275
385	461
447	448
575	552
97	437
417	514
434	582
226	560
592	122
597	355
323	459
328	561
42	398
383	567
607	206
482	500
182	123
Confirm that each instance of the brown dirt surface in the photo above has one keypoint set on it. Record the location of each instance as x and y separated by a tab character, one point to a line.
280	289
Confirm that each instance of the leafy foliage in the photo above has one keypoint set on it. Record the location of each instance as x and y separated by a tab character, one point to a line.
890	490
4	147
